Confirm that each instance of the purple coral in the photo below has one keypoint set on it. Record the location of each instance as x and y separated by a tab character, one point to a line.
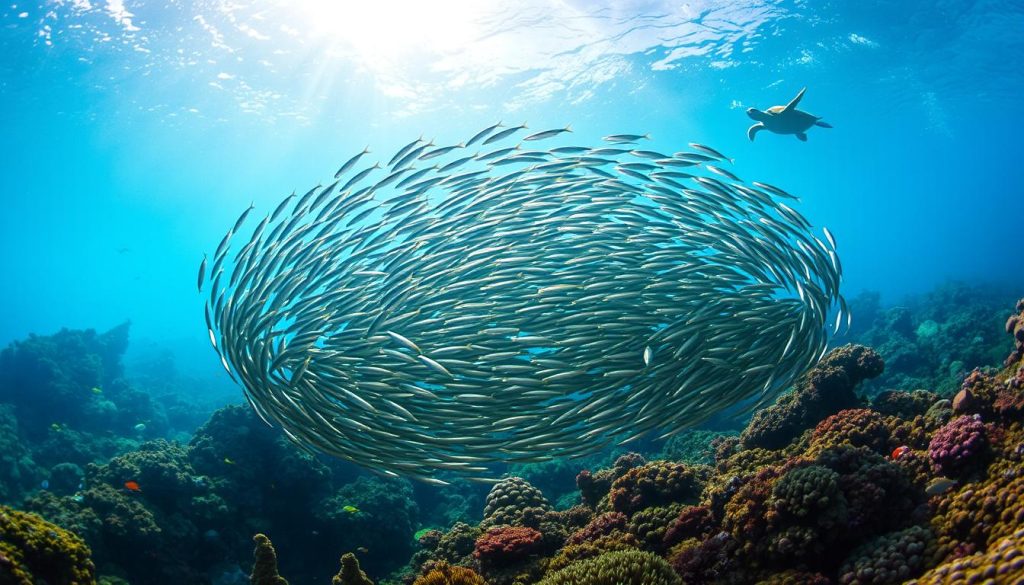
957	446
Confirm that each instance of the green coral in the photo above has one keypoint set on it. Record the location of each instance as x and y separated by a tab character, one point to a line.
890	559
650	525
627	567
510	499
33	552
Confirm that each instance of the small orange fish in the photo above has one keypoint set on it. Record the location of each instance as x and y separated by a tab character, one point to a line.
900	452
132	486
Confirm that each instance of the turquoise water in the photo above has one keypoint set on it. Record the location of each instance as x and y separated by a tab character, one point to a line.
134	133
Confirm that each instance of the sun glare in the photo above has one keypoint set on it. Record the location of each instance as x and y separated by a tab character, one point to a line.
382	32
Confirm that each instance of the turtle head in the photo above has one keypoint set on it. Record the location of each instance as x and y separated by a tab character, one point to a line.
757	114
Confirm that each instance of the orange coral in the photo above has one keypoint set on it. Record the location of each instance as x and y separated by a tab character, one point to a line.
445	574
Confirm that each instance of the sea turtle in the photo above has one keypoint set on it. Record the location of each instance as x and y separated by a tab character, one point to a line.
784	119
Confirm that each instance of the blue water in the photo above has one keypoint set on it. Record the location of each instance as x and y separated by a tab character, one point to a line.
134	133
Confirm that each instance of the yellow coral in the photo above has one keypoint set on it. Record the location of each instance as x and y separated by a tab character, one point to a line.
34	551
445	574
1001	563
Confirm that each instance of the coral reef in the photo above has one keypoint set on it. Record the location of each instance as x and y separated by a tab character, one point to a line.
656	483
825	390
827	486
1001	563
33	551
594	486
932	340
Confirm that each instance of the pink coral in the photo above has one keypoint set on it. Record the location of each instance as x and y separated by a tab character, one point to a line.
958	445
506	544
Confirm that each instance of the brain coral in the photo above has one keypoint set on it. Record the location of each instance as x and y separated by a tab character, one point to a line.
509	500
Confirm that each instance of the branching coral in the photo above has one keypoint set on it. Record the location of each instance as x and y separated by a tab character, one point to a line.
627	567
444	574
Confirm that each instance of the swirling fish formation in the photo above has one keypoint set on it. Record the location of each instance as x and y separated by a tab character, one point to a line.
455	308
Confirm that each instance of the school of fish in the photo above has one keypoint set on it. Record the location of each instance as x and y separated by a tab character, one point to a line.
490	301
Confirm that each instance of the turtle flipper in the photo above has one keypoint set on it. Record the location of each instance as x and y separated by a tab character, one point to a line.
793	103
753	130
823	124
802	136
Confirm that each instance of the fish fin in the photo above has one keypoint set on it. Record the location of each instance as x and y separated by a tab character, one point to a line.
823	124
802	136
792	104
753	130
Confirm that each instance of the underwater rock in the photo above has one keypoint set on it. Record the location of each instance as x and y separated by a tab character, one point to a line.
594	486
33	551
264	568
350	573
825	390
